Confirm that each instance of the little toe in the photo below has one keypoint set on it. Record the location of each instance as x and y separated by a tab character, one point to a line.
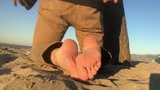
97	65
90	76
94	71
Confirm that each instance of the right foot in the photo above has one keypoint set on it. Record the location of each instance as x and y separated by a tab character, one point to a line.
89	61
65	57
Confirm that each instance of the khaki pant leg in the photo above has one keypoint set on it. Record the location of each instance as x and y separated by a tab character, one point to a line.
88	22
44	37
48	33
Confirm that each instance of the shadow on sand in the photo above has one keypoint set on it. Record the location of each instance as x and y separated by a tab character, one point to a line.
154	82
5	58
110	70
70	83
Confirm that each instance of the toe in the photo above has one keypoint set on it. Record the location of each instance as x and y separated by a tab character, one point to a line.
94	71
97	65
82	73
90	75
74	73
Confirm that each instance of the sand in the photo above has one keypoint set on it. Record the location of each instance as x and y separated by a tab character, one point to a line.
17	72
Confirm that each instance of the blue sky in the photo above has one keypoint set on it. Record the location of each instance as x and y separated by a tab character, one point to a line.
143	22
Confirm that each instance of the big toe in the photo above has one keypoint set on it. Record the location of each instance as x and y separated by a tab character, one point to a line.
74	75
82	73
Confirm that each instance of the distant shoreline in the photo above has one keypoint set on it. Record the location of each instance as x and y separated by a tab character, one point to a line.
14	45
144	57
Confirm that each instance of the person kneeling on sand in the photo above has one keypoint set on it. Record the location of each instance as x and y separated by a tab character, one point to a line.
82	65
54	17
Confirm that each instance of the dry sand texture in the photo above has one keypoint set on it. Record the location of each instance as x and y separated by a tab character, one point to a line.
17	72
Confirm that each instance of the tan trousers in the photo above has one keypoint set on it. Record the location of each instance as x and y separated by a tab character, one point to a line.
54	18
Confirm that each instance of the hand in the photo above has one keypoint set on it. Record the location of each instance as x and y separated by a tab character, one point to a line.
106	1
20	1
26	3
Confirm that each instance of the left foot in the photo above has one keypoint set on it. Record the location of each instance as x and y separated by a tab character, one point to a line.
65	57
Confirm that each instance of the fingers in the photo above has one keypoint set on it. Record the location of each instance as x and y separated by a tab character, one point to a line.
15	2
26	3
115	1
32	1
106	1
21	2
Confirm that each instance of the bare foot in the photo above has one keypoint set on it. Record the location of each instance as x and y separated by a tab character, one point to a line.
89	61
65	57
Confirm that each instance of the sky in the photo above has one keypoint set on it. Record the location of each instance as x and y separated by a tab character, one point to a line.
143	24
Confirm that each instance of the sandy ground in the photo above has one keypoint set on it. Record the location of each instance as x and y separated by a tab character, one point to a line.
17	72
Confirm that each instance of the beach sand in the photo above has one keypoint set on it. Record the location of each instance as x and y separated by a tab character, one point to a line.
17	72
